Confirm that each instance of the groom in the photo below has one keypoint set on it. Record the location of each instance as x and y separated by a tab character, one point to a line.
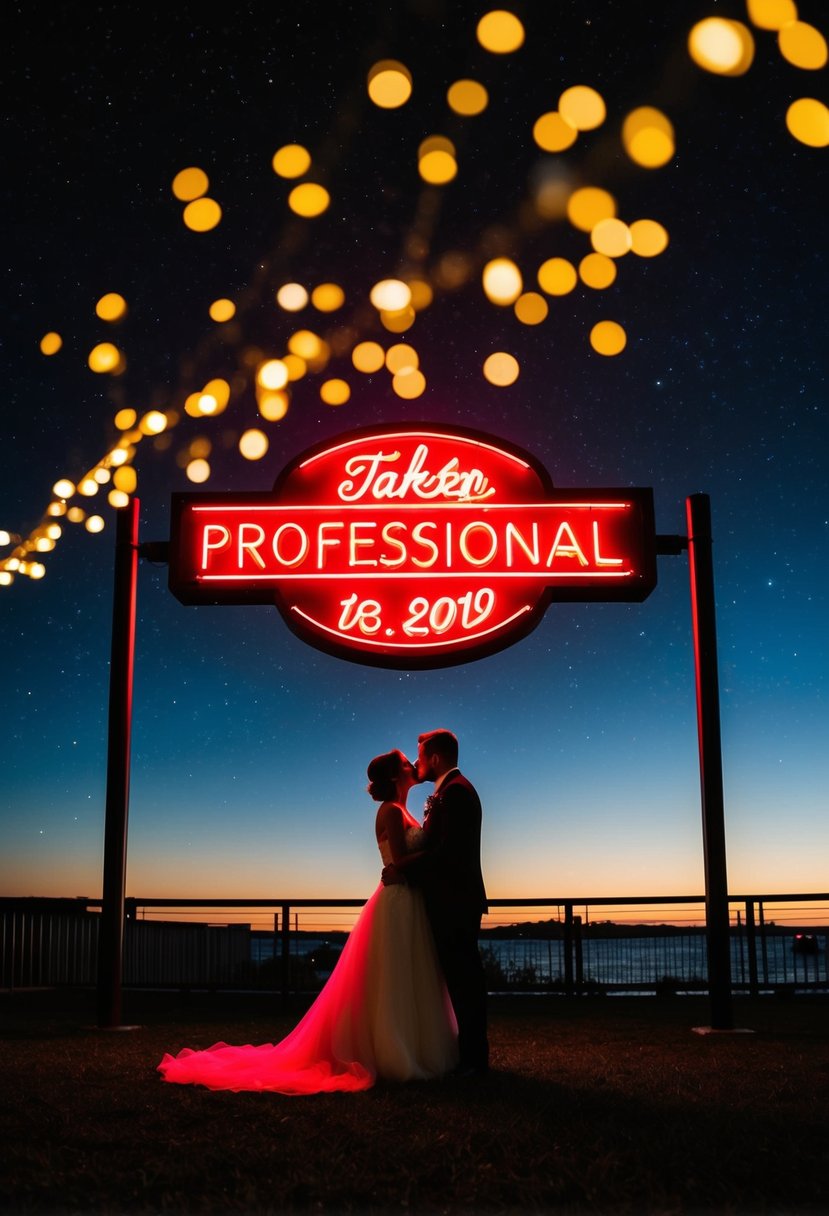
449	875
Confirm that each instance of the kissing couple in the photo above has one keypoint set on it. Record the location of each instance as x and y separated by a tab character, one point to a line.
407	998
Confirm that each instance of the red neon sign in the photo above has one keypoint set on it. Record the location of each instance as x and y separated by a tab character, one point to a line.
413	546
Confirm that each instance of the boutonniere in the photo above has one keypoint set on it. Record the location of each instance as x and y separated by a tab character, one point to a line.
431	802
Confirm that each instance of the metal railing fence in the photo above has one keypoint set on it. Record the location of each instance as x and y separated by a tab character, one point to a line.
572	946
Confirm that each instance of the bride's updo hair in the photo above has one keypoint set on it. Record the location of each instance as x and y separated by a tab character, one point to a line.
383	772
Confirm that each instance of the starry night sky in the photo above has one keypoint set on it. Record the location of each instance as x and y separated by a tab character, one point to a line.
250	747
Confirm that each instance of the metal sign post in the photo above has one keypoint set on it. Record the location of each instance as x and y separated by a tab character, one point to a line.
111	935
700	564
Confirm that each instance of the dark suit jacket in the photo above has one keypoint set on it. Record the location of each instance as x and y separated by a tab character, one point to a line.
450	872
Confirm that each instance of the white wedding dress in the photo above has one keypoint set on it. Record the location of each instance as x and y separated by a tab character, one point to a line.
383	1012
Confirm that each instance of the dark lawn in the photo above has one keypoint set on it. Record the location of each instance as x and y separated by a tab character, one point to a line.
602	1105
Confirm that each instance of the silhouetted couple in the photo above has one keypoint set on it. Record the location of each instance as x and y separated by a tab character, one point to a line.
407	998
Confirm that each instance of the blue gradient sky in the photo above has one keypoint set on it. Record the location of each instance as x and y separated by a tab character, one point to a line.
250	747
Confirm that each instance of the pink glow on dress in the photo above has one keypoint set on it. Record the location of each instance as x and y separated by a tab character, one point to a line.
384	1012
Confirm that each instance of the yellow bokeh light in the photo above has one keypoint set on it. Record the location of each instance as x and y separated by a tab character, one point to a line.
651	148
44	544
437	167
120	455
190	184
531	308
94	524
648	137
648	238
153	423
398	320
435	143
328	297
608	338
389	84
368	357
295	366
582	107
202	215
104	357
771	14
36	570
76	515
253	444
557	276
125	479
467	97
501	369
63	488
500	32
56	508
272	405
6	578
111	307
807	119
422	293
197	471
722	46
597	271
272	374
54	532
335	391
102	476
390	295
292	297
192	405
219	389
309	200
306	344
125	419
553	133
118	498
612	238
803	46
291	161
402	358
588	205
50	343
409	384
222	310
200	446
502	281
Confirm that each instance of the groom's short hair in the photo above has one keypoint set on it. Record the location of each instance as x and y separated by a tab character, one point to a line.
442	743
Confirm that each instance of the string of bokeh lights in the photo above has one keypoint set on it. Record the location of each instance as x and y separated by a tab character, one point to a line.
717	45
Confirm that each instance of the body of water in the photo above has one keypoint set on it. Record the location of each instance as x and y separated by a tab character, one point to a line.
629	962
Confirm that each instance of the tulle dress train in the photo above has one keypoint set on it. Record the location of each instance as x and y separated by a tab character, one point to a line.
383	1012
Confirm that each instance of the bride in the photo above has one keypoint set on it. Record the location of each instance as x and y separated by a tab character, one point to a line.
384	1011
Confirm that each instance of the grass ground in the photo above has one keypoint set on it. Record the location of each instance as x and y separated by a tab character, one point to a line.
607	1106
